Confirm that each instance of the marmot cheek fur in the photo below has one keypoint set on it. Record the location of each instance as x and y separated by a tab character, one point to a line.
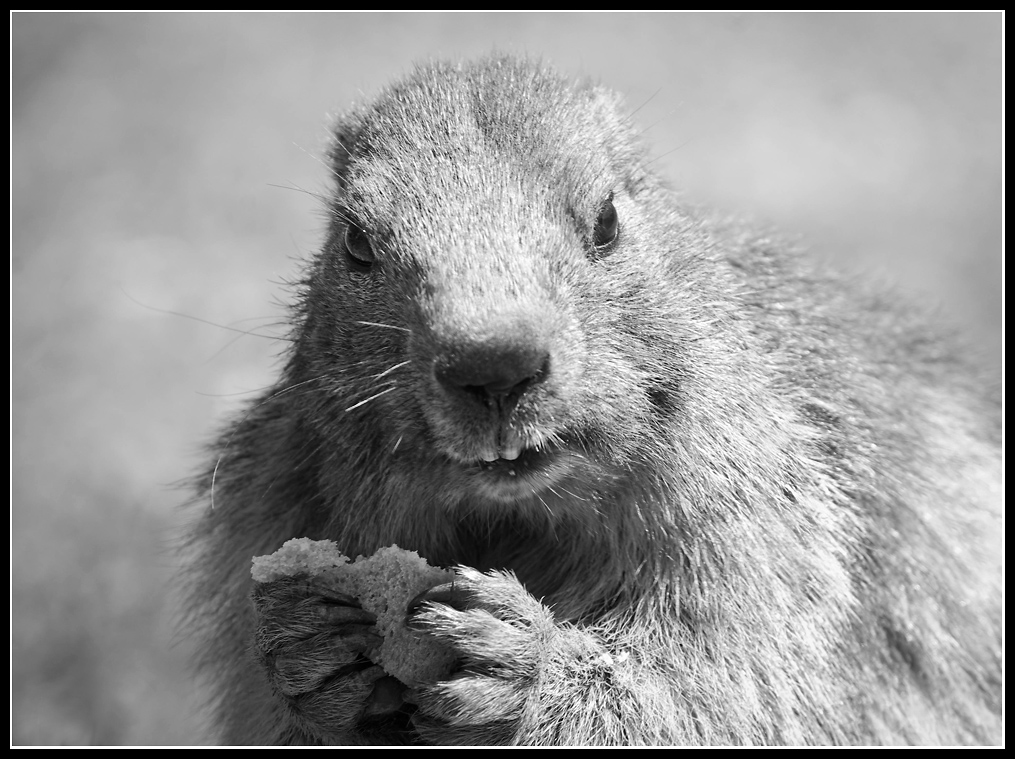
695	491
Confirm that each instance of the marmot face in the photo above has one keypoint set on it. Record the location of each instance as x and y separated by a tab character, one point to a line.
481	306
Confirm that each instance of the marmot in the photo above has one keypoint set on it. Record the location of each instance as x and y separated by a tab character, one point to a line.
693	490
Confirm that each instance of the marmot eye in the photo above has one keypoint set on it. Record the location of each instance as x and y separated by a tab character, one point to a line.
358	249
607	226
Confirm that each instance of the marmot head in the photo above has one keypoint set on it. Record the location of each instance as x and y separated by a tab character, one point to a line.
495	303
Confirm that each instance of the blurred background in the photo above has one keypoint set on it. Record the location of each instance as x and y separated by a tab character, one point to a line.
151	156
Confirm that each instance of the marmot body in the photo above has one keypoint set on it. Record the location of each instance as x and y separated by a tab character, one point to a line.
697	492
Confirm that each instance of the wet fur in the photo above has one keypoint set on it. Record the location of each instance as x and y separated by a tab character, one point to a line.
774	515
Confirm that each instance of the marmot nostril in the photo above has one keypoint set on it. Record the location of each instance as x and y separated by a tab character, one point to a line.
493	373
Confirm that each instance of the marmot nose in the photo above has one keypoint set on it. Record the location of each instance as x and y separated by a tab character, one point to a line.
493	371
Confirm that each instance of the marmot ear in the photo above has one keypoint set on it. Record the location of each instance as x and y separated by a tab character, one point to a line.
345	135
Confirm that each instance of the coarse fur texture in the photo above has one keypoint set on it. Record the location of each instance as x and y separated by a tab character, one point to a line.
696	492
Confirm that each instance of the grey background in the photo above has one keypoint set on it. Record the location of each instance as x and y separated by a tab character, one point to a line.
149	156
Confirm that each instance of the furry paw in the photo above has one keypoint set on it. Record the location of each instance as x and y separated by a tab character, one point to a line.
500	634
312	643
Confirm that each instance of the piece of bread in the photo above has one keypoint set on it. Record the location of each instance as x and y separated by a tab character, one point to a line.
384	584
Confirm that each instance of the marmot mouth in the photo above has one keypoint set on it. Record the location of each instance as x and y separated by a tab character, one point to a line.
532	471
504	453
514	462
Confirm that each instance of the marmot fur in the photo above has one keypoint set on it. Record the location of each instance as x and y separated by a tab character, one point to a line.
695	492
